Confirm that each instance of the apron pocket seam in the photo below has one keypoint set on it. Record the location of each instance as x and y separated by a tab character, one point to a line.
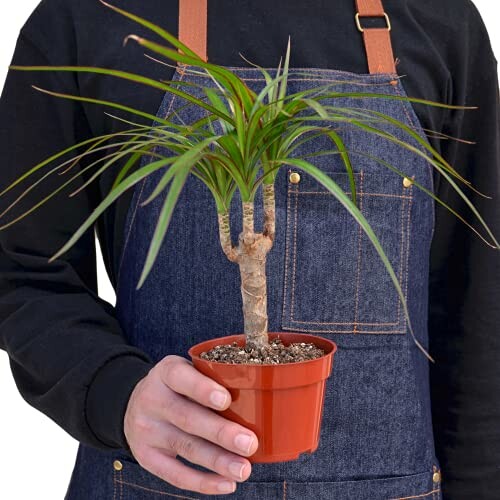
292	288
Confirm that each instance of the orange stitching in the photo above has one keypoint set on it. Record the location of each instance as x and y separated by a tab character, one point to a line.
385	195
137	203
401	254
292	302
343	323
310	71
287	250
359	256
417	496
181	68
410	112
408	207
284	490
340	82
355	323
121	485
158	492
320	79
341	331
405	109
114	484
292	320
408	230
308	68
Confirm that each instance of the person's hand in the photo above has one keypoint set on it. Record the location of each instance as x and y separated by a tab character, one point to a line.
169	413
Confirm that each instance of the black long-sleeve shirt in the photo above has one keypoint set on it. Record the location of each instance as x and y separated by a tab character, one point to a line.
67	351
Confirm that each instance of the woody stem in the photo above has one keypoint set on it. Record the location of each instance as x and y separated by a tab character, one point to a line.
250	254
225	237
269	211
253	249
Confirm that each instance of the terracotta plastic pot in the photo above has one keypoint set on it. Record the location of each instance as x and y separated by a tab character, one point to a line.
282	404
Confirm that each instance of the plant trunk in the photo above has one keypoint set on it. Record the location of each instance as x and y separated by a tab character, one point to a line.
252	264
250	254
252	249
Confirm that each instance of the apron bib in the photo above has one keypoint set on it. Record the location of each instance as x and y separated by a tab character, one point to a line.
324	277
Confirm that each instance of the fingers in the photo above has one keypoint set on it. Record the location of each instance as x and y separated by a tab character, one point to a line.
181	476
199	421
170	413
182	377
201	452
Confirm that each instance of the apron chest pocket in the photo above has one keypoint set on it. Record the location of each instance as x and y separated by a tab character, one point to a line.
335	281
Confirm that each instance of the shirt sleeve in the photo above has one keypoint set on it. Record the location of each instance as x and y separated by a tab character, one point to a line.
464	312
67	352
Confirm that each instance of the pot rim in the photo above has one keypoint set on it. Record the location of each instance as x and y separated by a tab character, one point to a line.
266	365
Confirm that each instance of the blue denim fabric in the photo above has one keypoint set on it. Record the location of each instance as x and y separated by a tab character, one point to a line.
324	277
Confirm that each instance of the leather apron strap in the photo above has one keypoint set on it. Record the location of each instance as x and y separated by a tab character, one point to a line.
193	32
193	16
377	40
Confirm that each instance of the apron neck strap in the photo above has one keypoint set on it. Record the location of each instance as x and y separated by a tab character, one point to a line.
193	32
193	25
377	40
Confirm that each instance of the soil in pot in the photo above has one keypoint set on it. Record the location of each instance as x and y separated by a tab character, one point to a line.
274	353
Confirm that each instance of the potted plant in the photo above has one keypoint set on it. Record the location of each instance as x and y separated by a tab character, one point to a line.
283	373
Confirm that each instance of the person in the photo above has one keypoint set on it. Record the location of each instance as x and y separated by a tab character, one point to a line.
117	379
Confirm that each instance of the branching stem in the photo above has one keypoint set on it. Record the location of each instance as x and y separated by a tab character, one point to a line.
250	254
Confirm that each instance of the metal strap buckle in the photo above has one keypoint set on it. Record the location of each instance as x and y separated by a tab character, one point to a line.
358	22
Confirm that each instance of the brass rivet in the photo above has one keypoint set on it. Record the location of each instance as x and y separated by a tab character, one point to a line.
117	465
407	182
294	178
436	477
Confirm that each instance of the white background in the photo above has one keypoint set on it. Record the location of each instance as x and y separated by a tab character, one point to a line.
36	456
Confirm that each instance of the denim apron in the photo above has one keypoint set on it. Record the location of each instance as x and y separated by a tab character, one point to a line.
324	277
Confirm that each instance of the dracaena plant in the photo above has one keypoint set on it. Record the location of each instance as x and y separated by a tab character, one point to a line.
260	132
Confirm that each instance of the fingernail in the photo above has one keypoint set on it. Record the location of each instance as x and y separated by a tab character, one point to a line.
236	469
218	398
243	442
226	487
